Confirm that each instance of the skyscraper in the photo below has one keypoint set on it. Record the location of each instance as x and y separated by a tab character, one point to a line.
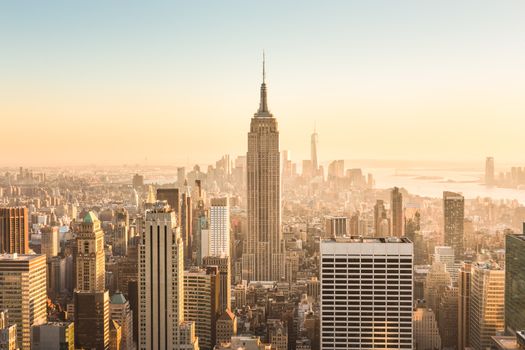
366	293
313	153
335	226
121	232
201	303
186	222
171	195
489	171
426	331
49	241
223	263
161	284
381	223
396	206
454	215
464	306
91	299
487	309
92	319
90	255
23	293
263	259
514	283
120	311
219	239
14	230
336	169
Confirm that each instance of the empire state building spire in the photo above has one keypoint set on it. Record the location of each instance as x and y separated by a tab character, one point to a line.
263	105
263	256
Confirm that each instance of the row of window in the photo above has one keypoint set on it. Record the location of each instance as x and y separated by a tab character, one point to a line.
365	260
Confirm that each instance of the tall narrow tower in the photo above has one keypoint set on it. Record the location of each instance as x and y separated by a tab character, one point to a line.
161	280
263	259
313	153
454	216
396	205
91	299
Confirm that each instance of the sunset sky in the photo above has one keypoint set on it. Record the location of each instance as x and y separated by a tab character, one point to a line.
115	82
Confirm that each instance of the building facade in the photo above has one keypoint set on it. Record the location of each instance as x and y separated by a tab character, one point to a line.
23	293
263	258
464	306
53	335
454	215
201	303
161	284
120	311
223	263
91	298
14	230
219	235
7	332
514	283
49	241
366	293
487	300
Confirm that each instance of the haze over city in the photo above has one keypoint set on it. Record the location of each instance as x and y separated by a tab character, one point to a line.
175	82
272	175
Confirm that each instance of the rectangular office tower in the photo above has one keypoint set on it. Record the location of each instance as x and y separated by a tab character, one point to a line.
487	299
219	240
453	218
14	230
161	284
366	293
23	293
514	283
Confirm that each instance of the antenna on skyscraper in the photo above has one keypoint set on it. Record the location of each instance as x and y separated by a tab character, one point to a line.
264	68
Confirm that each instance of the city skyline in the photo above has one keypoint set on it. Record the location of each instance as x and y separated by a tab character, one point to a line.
390	71
369	195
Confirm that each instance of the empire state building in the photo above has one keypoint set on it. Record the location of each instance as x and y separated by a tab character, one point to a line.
263	258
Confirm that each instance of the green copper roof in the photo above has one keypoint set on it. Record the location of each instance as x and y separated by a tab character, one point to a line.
90	218
118	298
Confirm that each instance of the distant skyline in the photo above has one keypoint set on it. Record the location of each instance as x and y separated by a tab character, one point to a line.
109	82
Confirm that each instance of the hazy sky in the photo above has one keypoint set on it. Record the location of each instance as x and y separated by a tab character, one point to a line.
119	81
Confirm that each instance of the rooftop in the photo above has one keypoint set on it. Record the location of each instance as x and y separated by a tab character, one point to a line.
19	257
90	218
504	342
518	236
227	315
118	298
359	239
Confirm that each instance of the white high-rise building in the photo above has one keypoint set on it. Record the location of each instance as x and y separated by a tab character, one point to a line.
366	293
161	284
219	238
